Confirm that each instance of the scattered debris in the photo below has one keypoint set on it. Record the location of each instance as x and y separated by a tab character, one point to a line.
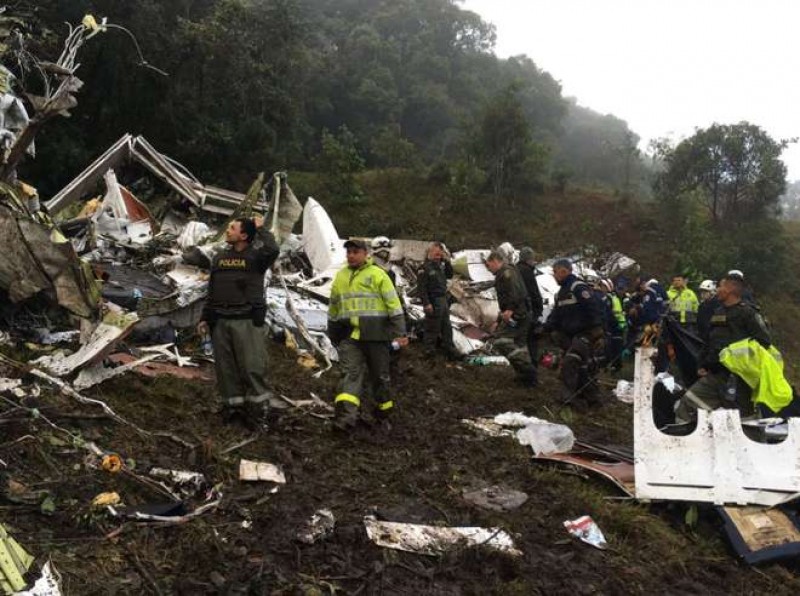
612	464
496	498
542	436
587	530
318	527
188	484
105	499
260	471
49	584
434	540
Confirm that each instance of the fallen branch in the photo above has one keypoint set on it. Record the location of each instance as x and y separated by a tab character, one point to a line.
66	389
176	438
238	445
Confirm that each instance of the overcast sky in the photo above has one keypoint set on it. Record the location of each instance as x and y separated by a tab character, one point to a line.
665	66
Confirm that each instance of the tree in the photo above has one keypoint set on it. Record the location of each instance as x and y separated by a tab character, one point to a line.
339	162
736	168
504	145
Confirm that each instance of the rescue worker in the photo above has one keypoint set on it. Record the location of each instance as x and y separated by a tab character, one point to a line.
364	317
708	304
732	321
683	302
747	295
527	270
234	316
432	287
381	255
577	326
514	319
615	325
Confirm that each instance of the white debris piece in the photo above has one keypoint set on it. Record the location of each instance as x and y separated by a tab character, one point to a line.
717	463
193	234
542	436
435	540
587	530
49	584
260	471
624	391
324	249
113	327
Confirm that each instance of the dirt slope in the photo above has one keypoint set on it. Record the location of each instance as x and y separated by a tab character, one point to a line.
415	472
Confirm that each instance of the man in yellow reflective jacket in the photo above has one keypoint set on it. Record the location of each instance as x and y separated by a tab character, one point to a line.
683	302
365	320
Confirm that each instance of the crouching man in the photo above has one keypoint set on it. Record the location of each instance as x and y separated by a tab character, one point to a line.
364	317
234	315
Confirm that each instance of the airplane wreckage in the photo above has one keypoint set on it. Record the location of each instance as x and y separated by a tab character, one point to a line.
105	261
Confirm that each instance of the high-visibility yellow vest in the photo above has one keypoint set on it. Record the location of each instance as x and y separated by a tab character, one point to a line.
683	304
616	308
761	369
367	299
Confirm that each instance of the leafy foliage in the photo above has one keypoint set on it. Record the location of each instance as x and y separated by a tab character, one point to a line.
736	170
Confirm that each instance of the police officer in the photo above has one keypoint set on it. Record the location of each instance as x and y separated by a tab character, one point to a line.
234	314
732	321
683	302
577	325
514	320
432	287
527	270
364	317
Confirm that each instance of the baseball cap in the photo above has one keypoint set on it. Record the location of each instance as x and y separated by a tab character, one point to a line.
355	243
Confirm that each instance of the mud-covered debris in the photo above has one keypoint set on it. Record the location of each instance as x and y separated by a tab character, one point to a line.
496	498
434	540
260	471
318	527
48	584
188	484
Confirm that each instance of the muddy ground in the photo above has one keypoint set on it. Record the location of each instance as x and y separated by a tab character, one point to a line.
414	472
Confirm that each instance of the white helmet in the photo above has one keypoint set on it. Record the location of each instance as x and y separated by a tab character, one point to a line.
736	273
708	286
380	243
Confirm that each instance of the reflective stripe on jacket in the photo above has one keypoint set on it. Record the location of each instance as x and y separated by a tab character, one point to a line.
683	304
366	299
761	369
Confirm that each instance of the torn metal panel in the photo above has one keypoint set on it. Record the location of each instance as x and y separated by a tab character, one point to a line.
717	463
618	471
324	249
113	328
85	183
160	369
762	535
137	149
122	216
471	265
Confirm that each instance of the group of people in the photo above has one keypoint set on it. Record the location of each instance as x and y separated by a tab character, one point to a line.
594	323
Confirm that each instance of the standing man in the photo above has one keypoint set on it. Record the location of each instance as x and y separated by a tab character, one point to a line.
514	319
234	315
432	285
733	321
577	325
614	323
364	316
527	270
683	302
708	304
